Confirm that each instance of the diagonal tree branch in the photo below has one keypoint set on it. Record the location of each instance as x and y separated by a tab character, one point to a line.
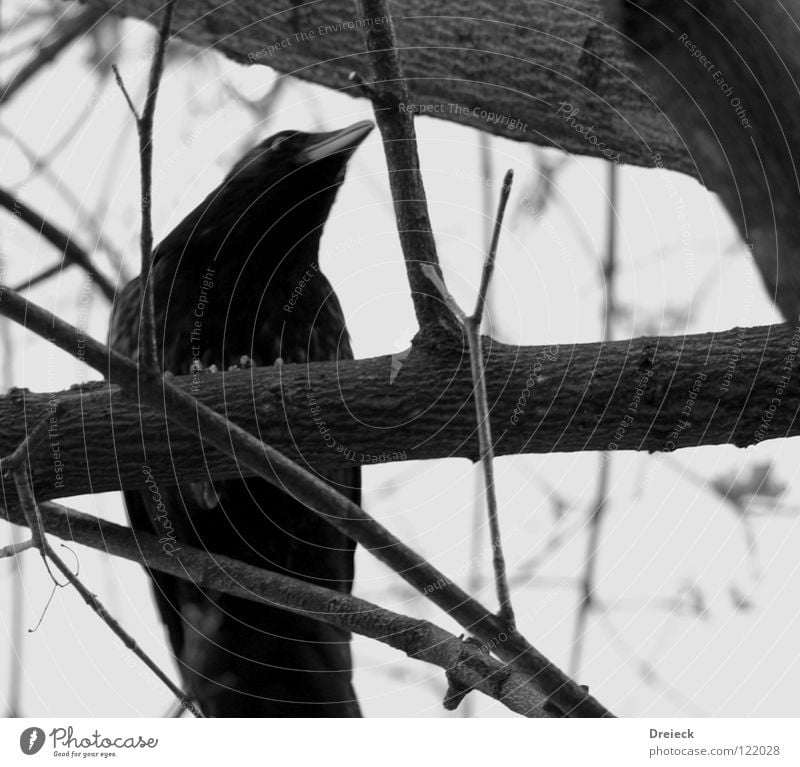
421	640
86	221
70	250
16	465
69	28
319	497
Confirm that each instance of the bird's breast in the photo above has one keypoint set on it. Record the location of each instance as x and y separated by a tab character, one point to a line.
212	318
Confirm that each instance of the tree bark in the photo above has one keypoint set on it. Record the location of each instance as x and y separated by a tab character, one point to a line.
727	75
466	666
654	394
516	69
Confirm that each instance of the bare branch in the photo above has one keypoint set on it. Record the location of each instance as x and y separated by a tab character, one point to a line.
17	464
68	29
597	514
70	250
121	85
266	462
472	326
42	276
87	220
488	266
482	412
12	549
544	71
419	639
147	346
394	115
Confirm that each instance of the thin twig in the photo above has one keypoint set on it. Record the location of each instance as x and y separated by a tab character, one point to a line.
33	516
419	639
147	346
391	99
17	463
97	606
148	350
71	251
121	85
16	645
472	327
475	576
25	493
19	473
40	164
486	449
43	276
264	461
589	579
488	267
69	29
486	443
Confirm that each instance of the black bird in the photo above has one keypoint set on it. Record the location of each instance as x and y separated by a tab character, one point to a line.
239	277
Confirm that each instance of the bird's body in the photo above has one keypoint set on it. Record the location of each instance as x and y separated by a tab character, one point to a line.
222	283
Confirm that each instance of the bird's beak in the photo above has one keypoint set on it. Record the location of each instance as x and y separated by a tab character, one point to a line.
345	140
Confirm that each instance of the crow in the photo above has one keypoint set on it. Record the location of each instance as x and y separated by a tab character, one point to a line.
237	282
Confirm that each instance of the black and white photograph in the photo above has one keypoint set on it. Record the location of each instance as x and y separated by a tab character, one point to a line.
400	360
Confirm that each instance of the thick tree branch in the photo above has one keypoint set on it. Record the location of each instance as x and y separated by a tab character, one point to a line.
417	638
394	114
727	74
529	70
319	497
625	395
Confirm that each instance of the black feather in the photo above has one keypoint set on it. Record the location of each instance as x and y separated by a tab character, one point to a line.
222	283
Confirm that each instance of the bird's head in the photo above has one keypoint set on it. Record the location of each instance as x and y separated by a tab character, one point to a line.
314	159
273	203
287	183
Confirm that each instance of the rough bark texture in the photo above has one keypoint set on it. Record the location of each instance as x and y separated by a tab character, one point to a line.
506	68
647	394
727	74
